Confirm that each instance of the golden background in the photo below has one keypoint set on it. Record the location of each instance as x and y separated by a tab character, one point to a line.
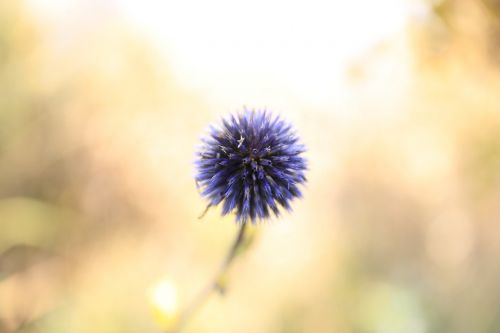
102	104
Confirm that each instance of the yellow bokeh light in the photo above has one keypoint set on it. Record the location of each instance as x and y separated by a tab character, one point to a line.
164	303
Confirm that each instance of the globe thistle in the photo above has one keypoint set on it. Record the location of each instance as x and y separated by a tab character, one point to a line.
251	163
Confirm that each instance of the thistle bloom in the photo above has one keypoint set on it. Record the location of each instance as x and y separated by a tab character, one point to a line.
251	163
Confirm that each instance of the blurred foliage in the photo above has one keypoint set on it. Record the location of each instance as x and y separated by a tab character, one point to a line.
96	199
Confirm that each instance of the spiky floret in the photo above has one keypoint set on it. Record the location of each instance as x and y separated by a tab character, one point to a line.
251	163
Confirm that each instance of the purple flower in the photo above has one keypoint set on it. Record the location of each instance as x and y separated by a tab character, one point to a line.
251	163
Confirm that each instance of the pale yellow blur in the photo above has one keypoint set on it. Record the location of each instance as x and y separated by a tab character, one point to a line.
164	303
102	104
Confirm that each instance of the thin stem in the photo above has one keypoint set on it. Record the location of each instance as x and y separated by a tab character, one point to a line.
233	250
214	284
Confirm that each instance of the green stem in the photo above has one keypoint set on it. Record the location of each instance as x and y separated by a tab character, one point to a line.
214	284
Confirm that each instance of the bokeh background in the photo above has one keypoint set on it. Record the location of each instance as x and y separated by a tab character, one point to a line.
103	102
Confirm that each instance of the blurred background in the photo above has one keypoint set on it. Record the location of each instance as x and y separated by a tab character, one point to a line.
103	102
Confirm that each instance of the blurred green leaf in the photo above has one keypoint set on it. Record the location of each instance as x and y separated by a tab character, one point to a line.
25	221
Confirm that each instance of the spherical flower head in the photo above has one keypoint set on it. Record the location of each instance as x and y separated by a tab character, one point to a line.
251	163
